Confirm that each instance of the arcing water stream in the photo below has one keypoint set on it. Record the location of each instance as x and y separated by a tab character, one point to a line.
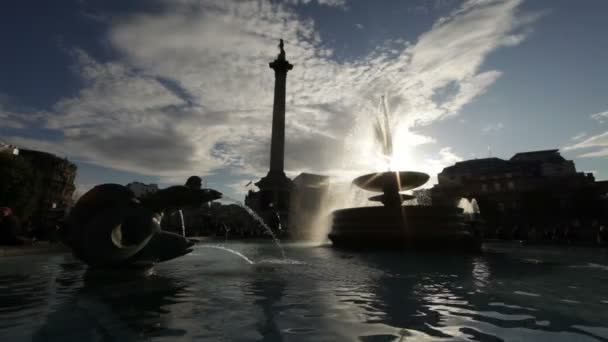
260	221
181	218
237	253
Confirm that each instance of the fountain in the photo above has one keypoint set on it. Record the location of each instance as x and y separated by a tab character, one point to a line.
397	225
394	224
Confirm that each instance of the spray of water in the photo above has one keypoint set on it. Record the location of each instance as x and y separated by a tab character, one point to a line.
260	221
340	194
382	130
226	249
468	207
181	218
475	206
343	194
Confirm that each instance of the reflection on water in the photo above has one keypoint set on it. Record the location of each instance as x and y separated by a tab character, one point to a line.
318	294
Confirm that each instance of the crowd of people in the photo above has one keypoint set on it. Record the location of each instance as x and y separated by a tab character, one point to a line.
15	232
571	232
11	233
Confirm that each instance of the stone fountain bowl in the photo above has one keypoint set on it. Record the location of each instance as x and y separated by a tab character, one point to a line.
429	228
404	180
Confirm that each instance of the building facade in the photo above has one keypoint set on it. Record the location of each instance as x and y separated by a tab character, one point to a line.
530	190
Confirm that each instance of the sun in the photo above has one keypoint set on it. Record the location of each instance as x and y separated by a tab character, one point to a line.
404	152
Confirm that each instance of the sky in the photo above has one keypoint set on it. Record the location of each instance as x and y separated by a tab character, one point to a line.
158	90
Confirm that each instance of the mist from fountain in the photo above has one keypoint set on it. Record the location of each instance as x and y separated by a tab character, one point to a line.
465	205
382	132
468	207
341	192
475	206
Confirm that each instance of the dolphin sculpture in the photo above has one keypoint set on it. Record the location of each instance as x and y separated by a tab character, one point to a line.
110	227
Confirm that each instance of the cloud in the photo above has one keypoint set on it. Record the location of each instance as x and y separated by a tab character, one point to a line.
579	136
444	159
599	142
191	91
596	154
330	3
9	120
11	117
492	128
600	116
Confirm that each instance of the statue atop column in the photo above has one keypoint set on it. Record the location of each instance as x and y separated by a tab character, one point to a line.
282	53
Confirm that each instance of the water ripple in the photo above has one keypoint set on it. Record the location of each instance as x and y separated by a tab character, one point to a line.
317	294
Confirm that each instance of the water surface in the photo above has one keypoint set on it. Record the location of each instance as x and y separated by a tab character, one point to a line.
315	294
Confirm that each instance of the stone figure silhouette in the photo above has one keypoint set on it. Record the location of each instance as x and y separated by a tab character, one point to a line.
109	226
282	51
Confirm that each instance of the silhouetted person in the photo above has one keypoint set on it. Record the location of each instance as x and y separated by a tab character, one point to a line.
499	233
516	233
10	228
533	233
602	235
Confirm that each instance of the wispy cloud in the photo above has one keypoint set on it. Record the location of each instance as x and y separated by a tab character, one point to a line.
492	128
598	142
192	93
579	136
331	3
600	116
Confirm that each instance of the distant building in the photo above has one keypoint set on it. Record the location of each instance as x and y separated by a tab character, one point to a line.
142	190
308	194
10	149
530	189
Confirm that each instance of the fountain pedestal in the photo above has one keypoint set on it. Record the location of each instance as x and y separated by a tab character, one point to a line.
394	225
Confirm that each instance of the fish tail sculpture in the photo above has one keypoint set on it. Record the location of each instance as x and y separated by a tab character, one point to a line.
109	226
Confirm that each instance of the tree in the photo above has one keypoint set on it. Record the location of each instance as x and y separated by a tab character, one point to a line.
20	185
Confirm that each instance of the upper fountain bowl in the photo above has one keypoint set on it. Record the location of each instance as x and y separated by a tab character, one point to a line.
403	180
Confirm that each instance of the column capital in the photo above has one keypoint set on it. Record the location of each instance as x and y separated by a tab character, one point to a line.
280	65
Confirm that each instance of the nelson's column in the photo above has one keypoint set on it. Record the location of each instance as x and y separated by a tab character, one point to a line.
272	201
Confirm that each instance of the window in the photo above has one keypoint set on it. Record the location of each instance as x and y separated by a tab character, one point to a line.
484	187
497	186
512	185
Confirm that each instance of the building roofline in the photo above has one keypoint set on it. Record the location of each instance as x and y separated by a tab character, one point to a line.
535	152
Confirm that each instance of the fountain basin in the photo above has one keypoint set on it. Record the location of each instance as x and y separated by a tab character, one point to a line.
406	227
